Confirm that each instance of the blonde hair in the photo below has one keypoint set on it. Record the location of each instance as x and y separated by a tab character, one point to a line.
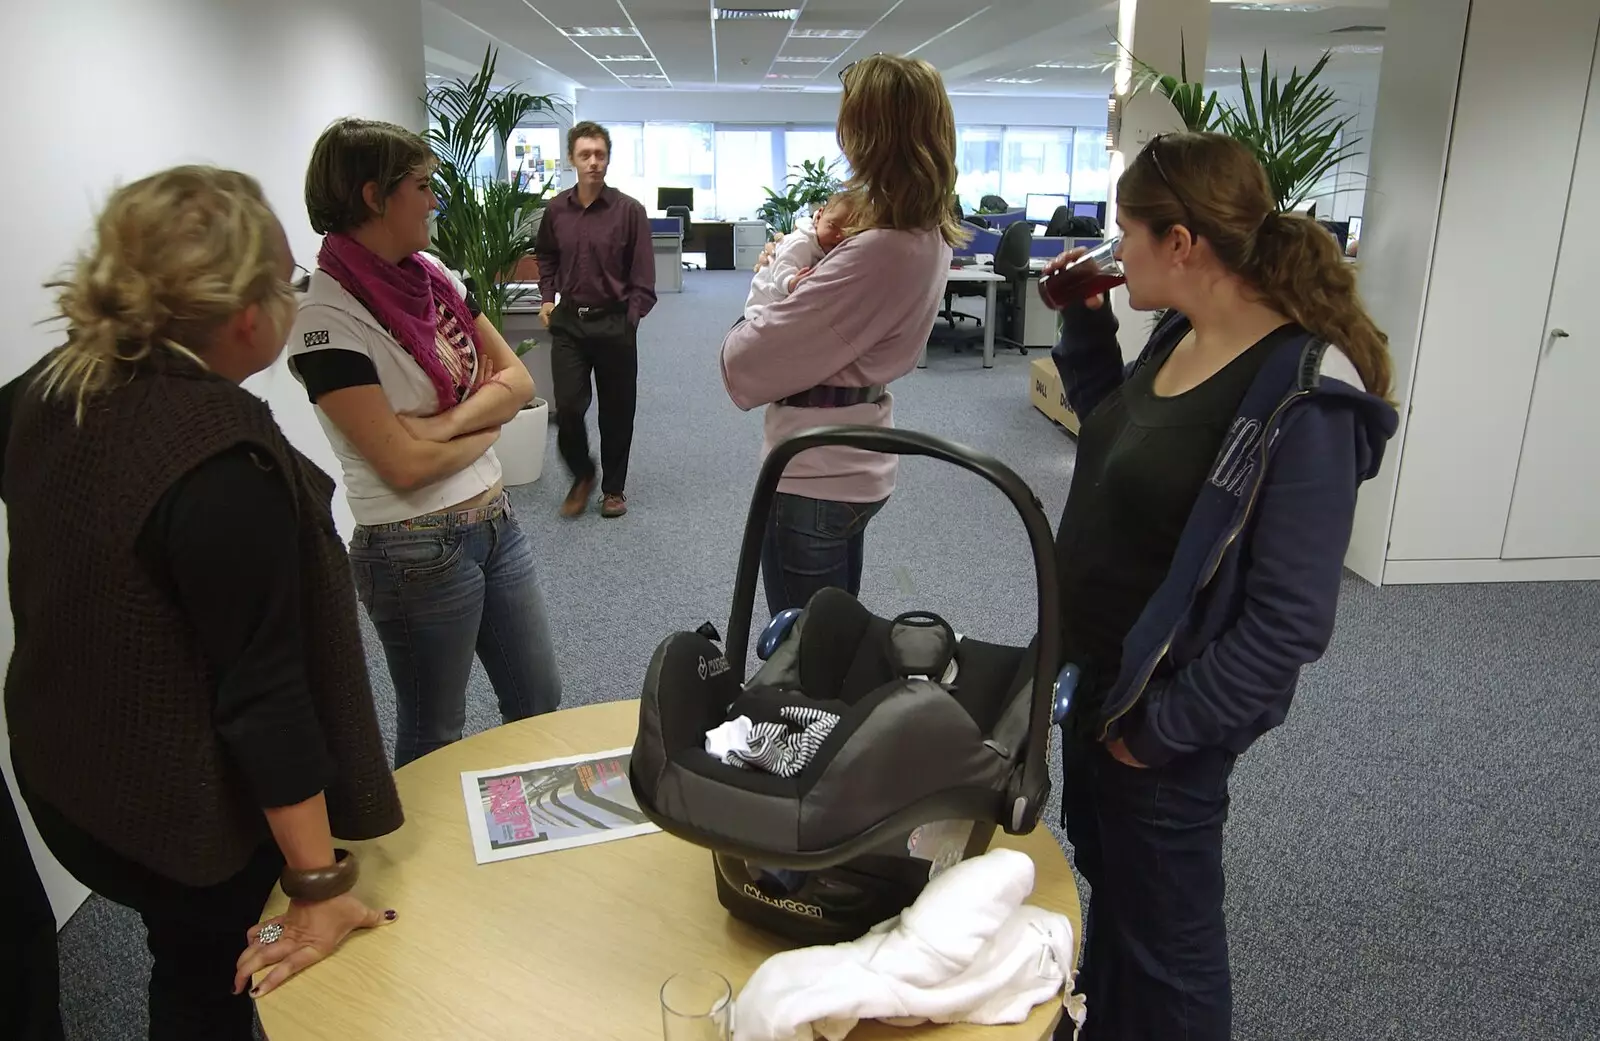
174	256
1214	186
898	134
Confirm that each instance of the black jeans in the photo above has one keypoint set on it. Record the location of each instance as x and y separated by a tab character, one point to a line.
195	933
813	544
1149	842
30	981
606	348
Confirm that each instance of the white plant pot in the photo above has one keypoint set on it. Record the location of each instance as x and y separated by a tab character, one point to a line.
522	444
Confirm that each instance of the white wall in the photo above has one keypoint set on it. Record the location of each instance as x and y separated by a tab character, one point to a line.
128	89
1485	317
777	107
1412	120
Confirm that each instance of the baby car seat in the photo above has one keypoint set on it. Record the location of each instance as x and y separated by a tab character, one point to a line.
937	739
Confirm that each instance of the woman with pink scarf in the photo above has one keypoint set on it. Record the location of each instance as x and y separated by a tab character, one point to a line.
412	384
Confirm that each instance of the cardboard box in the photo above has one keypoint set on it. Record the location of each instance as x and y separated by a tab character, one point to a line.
1047	395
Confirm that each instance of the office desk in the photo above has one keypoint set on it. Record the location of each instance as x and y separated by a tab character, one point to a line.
991	282
728	245
568	944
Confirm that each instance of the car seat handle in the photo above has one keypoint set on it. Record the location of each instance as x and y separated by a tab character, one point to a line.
1033	783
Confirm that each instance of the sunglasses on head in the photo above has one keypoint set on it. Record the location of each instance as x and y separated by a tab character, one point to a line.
846	70
1152	149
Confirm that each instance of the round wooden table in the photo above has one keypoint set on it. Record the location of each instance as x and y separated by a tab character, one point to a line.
570	944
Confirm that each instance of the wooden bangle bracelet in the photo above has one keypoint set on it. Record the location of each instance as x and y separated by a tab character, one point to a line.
322	883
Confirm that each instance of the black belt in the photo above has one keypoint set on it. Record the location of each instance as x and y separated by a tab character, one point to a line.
834	397
588	311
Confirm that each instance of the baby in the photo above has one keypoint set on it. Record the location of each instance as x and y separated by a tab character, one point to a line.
798	253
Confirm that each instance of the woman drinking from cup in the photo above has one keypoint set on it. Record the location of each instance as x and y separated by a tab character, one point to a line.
1201	550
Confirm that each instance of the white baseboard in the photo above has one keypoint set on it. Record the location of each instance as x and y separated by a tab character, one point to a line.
1552	569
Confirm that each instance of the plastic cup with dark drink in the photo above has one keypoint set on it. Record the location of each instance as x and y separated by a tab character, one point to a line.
1090	275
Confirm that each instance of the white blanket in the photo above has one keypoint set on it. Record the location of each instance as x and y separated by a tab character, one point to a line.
968	951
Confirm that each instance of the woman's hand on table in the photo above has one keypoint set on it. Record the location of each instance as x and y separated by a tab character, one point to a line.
311	932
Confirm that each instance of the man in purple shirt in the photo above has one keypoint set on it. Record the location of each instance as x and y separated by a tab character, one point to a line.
595	254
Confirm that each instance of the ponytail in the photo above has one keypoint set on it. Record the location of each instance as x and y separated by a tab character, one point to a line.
1297	266
174	256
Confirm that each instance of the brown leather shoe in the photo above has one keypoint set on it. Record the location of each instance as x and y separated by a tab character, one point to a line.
614	505
578	497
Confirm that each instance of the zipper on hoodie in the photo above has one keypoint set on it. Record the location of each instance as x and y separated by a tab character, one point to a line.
1216	560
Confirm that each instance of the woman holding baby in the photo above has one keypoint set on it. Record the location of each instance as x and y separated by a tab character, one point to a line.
824	351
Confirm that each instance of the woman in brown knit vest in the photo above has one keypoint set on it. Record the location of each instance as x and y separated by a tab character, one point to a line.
188	703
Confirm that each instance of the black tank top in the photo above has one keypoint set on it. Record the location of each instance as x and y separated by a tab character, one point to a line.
1141	462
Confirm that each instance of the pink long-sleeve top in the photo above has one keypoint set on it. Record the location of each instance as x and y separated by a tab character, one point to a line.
861	318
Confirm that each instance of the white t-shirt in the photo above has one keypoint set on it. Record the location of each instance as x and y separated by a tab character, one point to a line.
797	251
332	319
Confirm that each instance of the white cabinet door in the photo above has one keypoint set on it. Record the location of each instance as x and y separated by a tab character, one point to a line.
1555	510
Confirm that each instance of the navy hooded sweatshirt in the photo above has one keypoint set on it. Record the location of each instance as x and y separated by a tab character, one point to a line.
1253	588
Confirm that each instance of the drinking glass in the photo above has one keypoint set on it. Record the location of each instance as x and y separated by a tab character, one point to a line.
696	1006
1090	275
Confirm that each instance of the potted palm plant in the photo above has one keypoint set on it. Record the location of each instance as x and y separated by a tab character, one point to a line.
1288	124
487	223
813	183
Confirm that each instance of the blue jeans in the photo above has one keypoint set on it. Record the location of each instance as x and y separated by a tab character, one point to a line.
438	595
813	544
1149	843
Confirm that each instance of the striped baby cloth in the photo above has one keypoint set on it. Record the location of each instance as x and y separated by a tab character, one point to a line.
786	746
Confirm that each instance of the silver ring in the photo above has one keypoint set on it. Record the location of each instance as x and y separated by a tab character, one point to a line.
271	933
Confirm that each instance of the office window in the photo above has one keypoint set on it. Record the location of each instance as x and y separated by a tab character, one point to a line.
746	167
978	165
681	155
814	143
1091	164
1036	160
627	162
535	155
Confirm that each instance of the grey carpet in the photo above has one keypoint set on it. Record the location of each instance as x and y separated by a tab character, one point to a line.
1412	856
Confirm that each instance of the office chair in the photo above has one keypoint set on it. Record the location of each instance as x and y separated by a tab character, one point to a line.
682	213
1057	228
1083	228
953	290
1011	264
992	204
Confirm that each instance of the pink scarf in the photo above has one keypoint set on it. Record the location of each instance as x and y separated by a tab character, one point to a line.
405	298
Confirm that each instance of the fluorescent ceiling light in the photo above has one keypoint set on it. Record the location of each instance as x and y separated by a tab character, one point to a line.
1070	65
639	75
798	59
625	57
791	76
1297	8
1359	48
828	34
1012	79
787	14
611	30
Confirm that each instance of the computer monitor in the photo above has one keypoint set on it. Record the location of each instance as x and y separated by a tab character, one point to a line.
674	197
1097	210
1041	208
